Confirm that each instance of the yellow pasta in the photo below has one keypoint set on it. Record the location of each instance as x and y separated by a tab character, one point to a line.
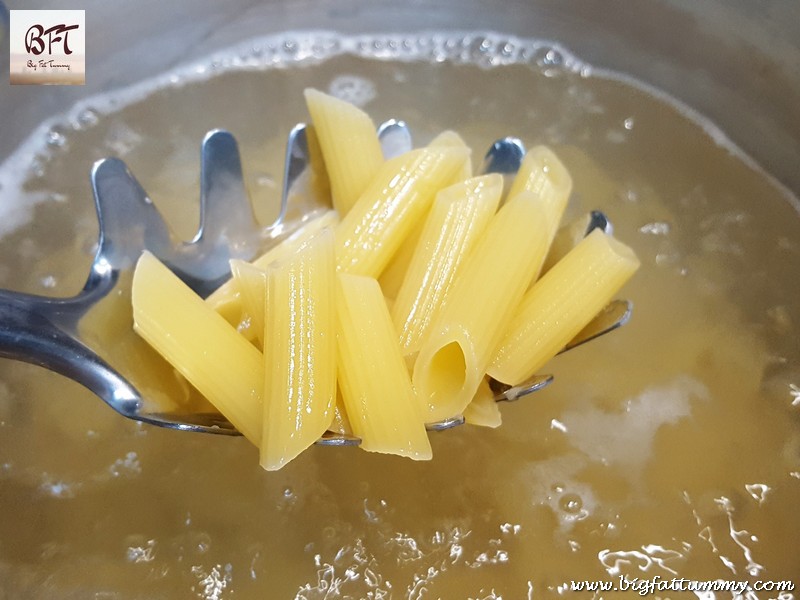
459	215
299	351
341	422
380	401
560	304
453	360
566	238
251	286
450	138
545	176
396	199
392	277
200	344
483	409
349	144
345	355
226	299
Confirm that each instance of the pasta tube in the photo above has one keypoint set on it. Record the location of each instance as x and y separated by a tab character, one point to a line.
251	286
397	198
459	215
450	138
483	409
200	344
392	277
299	352
452	361
560	304
226	299
380	402
545	176
349	144
341	422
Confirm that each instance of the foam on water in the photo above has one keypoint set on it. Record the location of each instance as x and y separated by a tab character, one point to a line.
489	50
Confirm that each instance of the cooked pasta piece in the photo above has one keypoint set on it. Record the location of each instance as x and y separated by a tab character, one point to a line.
567	237
380	401
200	344
450	138
452	361
341	422
394	202
560	304
545	176
350	146
226	299
483	409
299	351
392	276
460	213
251	286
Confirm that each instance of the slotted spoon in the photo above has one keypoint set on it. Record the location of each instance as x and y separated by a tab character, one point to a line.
45	331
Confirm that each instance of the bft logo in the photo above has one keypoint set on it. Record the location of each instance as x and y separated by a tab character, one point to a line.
35	41
47	47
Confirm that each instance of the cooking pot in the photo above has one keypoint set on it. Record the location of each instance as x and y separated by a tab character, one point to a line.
669	450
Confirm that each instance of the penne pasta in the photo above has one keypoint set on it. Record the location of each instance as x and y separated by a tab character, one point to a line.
377	393
226	299
341	422
349	145
483	410
545	176
251	286
567	237
459	215
452	361
200	344
396	199
299	351
451	139
560	304
392	276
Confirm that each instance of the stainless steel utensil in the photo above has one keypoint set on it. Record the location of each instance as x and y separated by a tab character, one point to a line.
44	331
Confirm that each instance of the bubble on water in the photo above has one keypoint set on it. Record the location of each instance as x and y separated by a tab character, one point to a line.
571	503
628	123
141	553
629	195
129	466
512	528
48	282
57	488
212	583
36	169
353	88
655	228
86	118
56	137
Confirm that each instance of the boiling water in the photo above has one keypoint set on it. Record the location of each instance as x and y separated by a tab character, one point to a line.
669	448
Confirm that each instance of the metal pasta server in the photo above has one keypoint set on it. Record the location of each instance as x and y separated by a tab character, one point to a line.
45	331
